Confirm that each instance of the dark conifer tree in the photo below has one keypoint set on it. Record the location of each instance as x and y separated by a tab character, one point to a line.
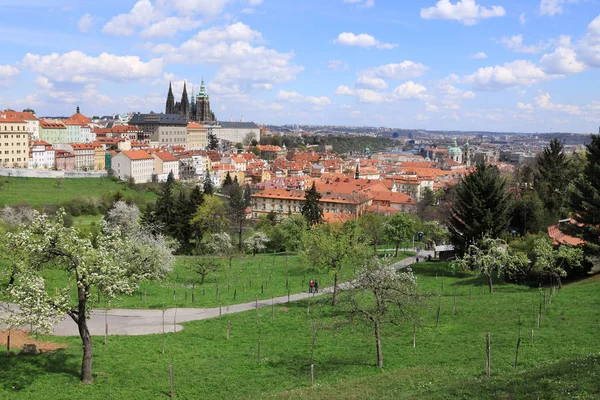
482	208
227	184
311	208
208	185
164	205
213	141
586	198
550	180
237	210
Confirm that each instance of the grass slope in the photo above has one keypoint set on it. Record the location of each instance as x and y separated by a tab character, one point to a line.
40	191
448	362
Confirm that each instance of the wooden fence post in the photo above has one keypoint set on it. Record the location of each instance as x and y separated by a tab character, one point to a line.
105	327
163	335
517	351
454	308
172	381
488	356
414	335
437	318
228	329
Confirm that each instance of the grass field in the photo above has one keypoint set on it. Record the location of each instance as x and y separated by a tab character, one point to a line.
448	362
265	276
40	191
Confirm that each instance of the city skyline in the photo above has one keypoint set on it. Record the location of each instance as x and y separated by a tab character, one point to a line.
441	65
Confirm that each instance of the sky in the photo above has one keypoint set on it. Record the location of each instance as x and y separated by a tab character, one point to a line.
493	65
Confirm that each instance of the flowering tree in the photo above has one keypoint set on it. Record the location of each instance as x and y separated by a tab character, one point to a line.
106	265
124	216
492	255
257	242
393	297
551	263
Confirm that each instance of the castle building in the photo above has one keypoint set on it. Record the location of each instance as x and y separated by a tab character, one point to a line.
198	110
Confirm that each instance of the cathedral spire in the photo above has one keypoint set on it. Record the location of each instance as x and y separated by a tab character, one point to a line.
185	103
170	107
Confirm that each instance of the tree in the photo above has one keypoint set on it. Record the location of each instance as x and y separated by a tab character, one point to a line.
553	263
208	185
394	297
227	184
238	204
257	242
427	206
311	208
373	226
292	229
165	205
585	200
331	248
482	208
47	243
528	213
400	227
124	217
550	180
213	141
434	233
218	244
210	217
17	215
492	255
183	211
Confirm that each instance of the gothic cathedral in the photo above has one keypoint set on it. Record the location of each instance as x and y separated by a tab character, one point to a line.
198	110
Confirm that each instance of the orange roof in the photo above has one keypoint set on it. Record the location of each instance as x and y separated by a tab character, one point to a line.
337	217
166	156
80	118
269	148
195	125
19	115
11	119
81	146
558	237
137	155
52	124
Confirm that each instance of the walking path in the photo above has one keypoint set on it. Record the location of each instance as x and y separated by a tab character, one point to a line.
144	322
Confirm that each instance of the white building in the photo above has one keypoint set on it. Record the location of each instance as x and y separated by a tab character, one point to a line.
31	121
41	155
136	164
73	131
165	163
87	134
236	132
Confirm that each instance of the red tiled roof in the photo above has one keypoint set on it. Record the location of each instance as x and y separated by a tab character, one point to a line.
137	155
166	156
558	237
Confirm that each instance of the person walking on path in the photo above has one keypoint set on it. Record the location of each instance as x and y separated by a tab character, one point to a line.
316	285
311	284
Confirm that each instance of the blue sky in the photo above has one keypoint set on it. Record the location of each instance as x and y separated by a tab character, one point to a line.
498	65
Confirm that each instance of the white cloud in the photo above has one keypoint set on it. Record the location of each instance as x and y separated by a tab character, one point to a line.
409	91
239	60
526	107
553	7
562	61
371	82
404	70
421	117
523	19
479	56
512	74
370	96
337	65
362	3
126	24
467	12
7	74
43	82
588	49
515	43
169	27
361	40
543	101
78	67
85	23
204	7
344	91
296	97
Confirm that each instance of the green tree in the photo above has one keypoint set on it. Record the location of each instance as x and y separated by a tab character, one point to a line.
227	184
482	208
292	229
434	233
552	263
491	256
373	226
585	200
257	242
107	266
400	227
183	212
208	185
164	209
394	298
551	180
528	213
311	208
211	216
213	141
238	204
331	248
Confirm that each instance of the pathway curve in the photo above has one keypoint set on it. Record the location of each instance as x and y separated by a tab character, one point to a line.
144	322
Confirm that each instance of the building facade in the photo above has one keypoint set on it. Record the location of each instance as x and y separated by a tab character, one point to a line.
198	110
14	142
197	136
41	155
162	129
237	132
136	164
53	131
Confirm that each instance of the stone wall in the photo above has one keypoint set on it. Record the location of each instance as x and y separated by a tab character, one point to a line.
32	173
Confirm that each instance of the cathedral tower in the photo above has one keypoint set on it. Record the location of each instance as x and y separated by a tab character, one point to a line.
170	108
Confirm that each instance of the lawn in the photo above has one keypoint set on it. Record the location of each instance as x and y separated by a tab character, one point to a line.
264	275
447	363
40	191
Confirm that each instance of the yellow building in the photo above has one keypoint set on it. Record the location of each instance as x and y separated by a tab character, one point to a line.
99	157
14	142
197	136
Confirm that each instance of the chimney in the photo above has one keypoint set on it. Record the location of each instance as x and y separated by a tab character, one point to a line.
242	120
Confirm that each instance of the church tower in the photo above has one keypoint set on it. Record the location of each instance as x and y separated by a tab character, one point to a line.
185	103
203	112
170	108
